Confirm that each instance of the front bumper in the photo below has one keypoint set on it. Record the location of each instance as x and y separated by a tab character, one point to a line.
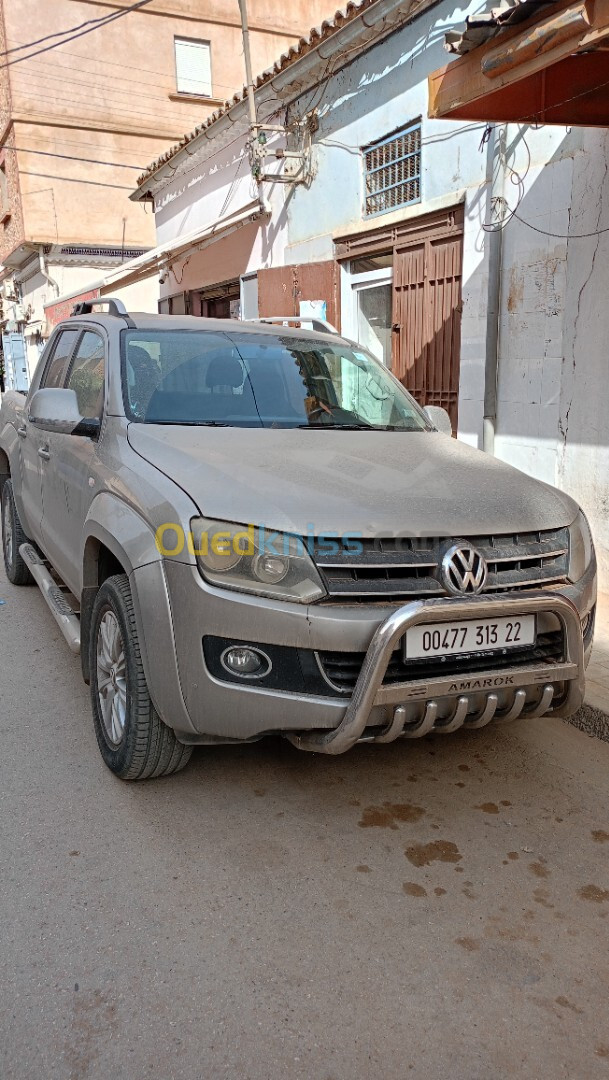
204	708
449	703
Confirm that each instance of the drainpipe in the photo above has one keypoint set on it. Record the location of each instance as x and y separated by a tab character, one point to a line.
495	189
44	271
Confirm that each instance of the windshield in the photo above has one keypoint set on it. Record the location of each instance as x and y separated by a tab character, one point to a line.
254	380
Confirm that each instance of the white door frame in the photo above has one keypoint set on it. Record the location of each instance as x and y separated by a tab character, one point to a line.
350	286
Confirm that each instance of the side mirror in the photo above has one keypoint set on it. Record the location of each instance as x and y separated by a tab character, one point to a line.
55	409
439	418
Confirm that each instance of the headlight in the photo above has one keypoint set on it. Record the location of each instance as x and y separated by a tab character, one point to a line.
255	560
581	547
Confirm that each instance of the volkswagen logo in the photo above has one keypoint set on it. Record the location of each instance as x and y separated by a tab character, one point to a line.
464	569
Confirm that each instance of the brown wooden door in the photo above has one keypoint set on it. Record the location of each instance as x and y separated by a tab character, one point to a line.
427	314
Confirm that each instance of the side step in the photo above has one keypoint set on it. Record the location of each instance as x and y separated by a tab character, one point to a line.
67	621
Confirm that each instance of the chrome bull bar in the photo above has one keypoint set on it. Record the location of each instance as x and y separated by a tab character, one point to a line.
370	691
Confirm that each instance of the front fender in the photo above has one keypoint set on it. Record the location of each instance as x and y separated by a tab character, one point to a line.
123	531
131	540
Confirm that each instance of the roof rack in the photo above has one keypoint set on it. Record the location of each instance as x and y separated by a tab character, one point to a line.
115	307
320	325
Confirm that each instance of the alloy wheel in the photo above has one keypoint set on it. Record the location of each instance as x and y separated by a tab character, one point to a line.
112	678
7	532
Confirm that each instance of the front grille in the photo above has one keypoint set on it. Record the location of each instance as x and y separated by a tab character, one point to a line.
406	568
341	669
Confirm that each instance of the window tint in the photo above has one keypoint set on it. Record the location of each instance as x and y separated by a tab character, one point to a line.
86	375
255	380
56	370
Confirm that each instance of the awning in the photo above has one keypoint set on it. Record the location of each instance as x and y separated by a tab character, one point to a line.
552	68
159	258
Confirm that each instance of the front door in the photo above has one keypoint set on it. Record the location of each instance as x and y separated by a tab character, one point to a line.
66	494
34	442
427	313
367	305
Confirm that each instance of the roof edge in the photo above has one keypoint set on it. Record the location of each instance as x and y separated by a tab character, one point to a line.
294	61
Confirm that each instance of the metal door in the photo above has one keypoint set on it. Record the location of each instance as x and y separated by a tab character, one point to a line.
427	316
16	375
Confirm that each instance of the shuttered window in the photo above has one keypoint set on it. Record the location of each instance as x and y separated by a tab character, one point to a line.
193	66
393	171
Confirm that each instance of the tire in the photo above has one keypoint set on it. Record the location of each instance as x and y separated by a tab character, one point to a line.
13	536
133	740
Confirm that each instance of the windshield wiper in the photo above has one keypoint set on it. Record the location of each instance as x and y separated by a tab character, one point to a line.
190	423
338	427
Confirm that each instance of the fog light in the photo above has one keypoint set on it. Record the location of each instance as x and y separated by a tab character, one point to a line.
271	568
245	662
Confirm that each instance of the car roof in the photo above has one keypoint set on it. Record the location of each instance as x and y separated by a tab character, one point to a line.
145	321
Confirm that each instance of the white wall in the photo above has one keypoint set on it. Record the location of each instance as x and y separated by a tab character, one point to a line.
139	296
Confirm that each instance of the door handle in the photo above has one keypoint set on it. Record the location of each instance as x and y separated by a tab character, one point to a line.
44	453
22	432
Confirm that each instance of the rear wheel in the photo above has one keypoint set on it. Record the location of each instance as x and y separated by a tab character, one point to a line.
13	537
134	742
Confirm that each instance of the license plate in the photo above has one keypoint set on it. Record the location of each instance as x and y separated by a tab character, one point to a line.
480	635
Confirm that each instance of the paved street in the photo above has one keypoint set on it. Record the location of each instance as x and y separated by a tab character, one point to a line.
418	910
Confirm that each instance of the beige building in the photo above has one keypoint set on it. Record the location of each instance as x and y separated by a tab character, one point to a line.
82	114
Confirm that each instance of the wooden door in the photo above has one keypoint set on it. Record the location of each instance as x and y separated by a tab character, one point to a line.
427	313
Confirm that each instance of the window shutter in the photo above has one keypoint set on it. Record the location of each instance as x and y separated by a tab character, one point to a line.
193	67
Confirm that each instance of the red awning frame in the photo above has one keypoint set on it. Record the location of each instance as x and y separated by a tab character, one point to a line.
550	70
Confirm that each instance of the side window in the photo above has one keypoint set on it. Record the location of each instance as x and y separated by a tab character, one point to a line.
58	364
87	375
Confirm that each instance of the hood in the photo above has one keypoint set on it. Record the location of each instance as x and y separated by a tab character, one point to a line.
372	483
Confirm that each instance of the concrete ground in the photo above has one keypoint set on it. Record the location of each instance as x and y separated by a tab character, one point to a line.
421	910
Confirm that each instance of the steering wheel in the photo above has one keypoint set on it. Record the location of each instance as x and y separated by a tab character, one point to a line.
322	408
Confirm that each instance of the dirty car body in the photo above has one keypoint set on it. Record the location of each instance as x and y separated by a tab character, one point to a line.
306	553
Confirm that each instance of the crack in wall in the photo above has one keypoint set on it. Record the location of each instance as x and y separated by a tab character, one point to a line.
563	423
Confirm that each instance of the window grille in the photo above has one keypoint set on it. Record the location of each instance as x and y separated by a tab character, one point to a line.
393	171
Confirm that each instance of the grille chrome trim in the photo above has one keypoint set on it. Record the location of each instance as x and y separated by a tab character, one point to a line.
400	567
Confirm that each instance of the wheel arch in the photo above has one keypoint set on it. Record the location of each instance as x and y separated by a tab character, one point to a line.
5	468
116	540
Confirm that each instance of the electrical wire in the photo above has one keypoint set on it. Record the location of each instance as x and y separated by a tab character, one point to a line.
73	36
123	111
123	78
63	33
534	118
71	157
87	88
156	83
544	232
76	180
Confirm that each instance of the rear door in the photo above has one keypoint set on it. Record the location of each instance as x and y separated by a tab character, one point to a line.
66	494
35	442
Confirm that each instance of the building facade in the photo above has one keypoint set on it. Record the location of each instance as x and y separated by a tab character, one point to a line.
82	113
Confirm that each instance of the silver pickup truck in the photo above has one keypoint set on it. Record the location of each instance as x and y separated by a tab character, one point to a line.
248	529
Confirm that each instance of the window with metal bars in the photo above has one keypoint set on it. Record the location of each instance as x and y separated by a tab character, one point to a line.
393	171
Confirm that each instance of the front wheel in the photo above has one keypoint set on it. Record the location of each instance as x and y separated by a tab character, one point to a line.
134	742
13	536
